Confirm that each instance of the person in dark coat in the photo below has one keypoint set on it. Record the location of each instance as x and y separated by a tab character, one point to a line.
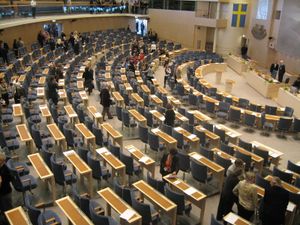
281	71
169	116
169	163
88	76
5	189
274	203
105	101
227	198
52	90
274	69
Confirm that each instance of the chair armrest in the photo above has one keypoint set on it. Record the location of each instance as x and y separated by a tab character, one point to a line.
26	180
85	195
99	210
40	205
50	220
68	174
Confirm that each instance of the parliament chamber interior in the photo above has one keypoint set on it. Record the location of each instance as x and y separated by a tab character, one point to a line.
149	112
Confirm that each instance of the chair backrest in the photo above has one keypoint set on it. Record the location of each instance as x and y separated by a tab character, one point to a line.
144	210
221	133
287	177
284	124
82	152
296	125
245	145
119	112
46	154
98	134
96	218
166	128
260	181
225	163
272	110
262	153
224	107
82	202
210	107
295	198
183	161
58	171
243	103
153	141
33	212
207	153
125	118
297	182
95	166
288	111
249	119
115	150
245	158
157	184
226	148
179	137
201	135
198	171
234	115
177	198
208	126
128	161
293	167
190	116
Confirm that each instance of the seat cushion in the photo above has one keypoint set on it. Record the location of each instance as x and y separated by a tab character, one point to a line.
70	178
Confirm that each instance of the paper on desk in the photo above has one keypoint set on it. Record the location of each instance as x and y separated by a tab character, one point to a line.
177	182
152	111
288	171
155	130
231	218
177	128
101	150
162	118
127	214
97	114
197	156
291	206
192	136
107	153
273	154
190	191
131	149
69	152
144	159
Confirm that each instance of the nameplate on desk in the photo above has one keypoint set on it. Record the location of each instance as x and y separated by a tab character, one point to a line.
101	150
127	214
67	153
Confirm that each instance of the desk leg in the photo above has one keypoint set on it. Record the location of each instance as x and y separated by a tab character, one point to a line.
90	184
220	176
260	166
202	210
30	146
53	188
108	209
173	216
123	176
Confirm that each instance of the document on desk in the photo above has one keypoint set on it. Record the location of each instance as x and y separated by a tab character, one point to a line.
197	156
144	159
190	191
67	153
97	114
192	136
231	218
131	149
291	206
101	150
127	214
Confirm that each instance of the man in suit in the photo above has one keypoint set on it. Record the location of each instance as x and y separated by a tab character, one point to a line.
274	204
281	71
274	69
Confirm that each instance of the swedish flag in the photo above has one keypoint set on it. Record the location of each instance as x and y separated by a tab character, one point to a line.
239	13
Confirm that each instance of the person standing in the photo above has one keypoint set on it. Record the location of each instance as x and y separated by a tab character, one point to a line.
227	198
167	74
169	163
5	188
33	8
281	71
52	90
4	91
105	101
274	204
88	76
274	69
3	51
246	191
237	164
169	116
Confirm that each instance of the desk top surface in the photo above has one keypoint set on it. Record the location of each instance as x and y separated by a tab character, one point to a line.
17	216
23	132
40	166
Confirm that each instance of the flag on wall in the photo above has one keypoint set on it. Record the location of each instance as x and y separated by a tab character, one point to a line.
239	13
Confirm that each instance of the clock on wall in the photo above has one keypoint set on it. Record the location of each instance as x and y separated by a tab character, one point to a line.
259	32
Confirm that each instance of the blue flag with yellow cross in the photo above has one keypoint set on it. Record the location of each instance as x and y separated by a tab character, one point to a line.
239	13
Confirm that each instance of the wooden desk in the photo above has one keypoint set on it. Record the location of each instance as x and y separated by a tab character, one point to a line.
63	95
17	216
191	194
216	169
97	116
42	81
139	80
40	92
46	113
200	116
158	116
180	117
155	82
224	155
116	165
162	90
232	134
214	139
156	100
82	168
145	89
61	83
169	141
138	117
118	98
128	88
80	85
84	98
174	101
144	160
114	134
71	113
285	185
18	112
107	76
138	99
25	136
258	161
123	78
87	135
43	172
72	212
58	136
234	219
274	154
120	206
192	139
158	199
